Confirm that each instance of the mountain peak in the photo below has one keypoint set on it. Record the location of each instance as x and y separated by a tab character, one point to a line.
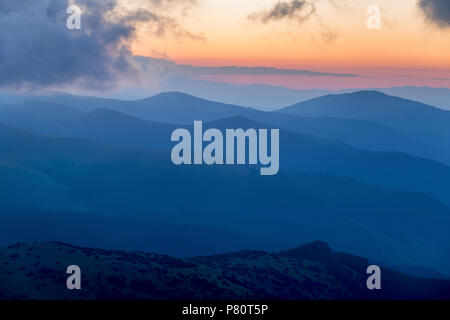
364	105
362	94
237	122
368	93
176	98
172	96
315	249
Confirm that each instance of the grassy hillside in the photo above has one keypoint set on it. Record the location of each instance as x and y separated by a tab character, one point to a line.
313	271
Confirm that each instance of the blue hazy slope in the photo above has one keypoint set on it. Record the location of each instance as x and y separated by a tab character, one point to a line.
177	107
299	152
402	227
390	169
422	122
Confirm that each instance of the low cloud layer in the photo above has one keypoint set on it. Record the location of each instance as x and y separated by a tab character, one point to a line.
300	10
235	70
38	51
152	65
436	11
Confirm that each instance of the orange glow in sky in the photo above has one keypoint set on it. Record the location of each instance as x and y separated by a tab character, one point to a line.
336	38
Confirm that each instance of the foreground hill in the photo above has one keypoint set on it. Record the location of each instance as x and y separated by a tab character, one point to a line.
313	271
129	233
303	153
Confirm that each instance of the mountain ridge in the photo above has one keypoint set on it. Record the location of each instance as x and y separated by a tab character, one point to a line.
310	273
423	123
359	133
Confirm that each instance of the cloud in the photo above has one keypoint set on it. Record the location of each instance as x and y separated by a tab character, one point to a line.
37	51
436	11
300	10
189	71
329	35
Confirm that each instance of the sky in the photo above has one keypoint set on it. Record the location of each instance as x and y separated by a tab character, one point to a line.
336	35
330	38
407	49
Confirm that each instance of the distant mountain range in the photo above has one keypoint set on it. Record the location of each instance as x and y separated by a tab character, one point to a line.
77	174
421	122
302	147
312	271
111	158
259	96
269	97
181	108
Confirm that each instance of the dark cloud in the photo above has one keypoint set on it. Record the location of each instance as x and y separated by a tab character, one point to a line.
300	10
436	11
296	10
38	51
